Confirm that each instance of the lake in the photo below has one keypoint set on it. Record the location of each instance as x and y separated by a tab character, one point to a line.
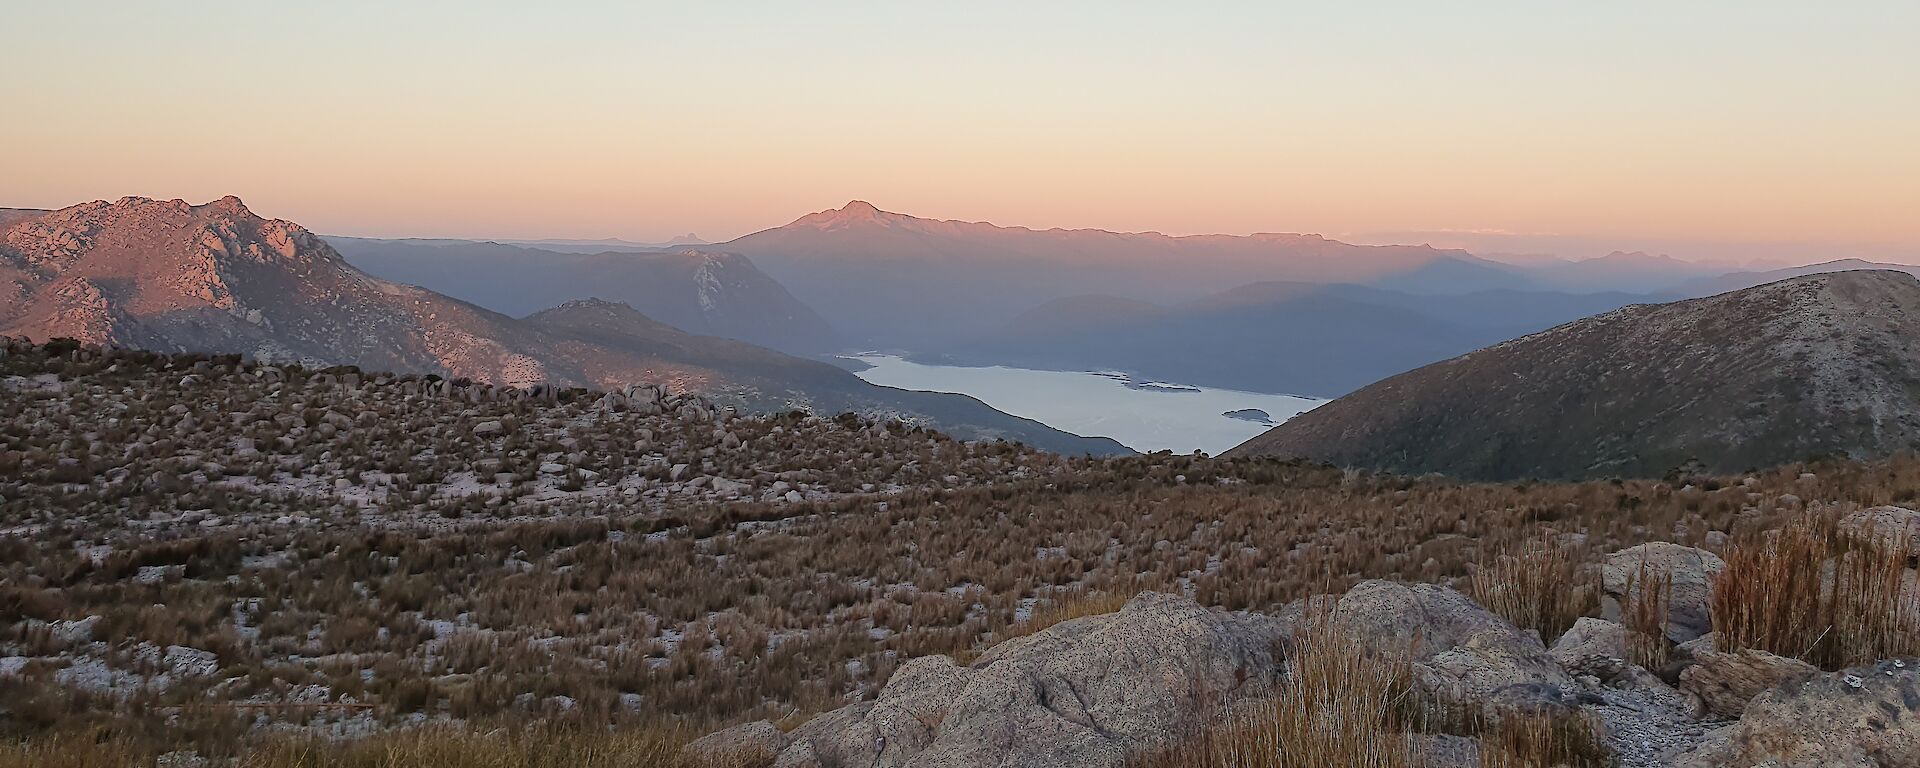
1143	415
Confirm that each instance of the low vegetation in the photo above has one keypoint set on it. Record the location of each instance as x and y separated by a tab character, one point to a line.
190	595
1820	592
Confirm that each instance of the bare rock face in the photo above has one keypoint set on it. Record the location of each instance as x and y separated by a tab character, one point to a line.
1092	691
1462	653
742	744
1864	717
1896	525
1725	682
1692	571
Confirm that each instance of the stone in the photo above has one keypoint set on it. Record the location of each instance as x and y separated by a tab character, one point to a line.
1463	655
489	429
1898	526
1692	571
1725	682
747	743
1092	691
1863	717
1593	646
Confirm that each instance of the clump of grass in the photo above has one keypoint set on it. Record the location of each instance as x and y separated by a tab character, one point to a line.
1067	606
1542	587
1812	591
1645	610
1567	740
1340	706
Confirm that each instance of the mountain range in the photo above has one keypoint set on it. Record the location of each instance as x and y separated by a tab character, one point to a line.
1292	314
169	276
892	280
1817	365
705	292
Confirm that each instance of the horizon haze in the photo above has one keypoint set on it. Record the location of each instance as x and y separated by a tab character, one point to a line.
1719	123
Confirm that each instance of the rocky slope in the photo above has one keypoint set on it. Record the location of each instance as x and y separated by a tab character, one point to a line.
1818	365
169	276
700	291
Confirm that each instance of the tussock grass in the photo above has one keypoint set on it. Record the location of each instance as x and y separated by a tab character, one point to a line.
1545	587
1545	741
1340	706
1812	591
1067	606
1645	612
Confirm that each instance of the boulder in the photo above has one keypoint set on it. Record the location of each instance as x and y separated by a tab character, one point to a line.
1463	655
1592	647
1864	717
1897	525
744	744
1092	691
489	429
1725	682
1692	571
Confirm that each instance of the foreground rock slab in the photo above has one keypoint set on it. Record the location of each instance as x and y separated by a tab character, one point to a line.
1863	717
1089	692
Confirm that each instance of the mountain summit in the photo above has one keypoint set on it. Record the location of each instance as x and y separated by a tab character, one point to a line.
1819	365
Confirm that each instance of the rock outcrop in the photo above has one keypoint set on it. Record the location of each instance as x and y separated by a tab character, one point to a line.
1463	655
1091	691
1726	682
1864	717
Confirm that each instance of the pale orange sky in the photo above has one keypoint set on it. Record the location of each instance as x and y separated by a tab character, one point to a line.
1748	121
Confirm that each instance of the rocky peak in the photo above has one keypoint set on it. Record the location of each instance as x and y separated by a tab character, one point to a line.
854	213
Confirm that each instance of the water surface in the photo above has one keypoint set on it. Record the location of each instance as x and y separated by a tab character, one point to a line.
1142	415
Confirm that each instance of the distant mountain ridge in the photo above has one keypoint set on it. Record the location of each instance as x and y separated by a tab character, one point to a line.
699	290
1815	365
170	276
889	279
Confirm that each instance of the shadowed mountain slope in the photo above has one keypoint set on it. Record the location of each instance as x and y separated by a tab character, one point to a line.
697	290
1817	365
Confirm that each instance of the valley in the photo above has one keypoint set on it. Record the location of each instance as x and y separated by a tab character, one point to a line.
1146	418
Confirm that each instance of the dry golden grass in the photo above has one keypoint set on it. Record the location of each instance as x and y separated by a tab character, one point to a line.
1544	587
1073	604
1815	592
1544	741
1339	706
1644	611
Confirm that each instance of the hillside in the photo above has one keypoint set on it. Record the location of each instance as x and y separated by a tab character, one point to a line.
699	291
1733	281
891	279
212	561
168	276
1817	365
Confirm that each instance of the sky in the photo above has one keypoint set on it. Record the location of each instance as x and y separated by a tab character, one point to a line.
1710	122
